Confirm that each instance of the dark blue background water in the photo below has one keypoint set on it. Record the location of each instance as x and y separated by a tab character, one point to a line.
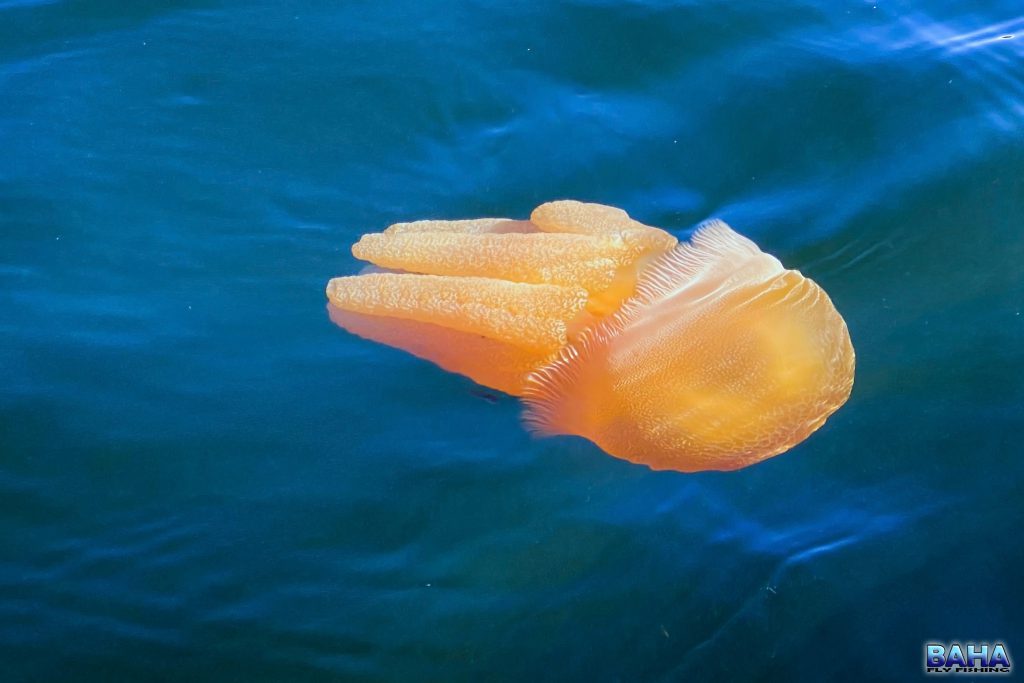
203	479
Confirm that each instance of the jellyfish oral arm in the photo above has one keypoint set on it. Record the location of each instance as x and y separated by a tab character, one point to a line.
527	287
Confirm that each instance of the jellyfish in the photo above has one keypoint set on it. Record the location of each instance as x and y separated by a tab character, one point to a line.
699	355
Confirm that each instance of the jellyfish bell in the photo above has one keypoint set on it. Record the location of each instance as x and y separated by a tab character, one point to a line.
694	356
721	359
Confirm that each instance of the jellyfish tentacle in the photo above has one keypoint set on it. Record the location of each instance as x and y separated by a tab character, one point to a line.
531	316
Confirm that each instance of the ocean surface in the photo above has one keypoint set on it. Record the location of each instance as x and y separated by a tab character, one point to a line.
202	478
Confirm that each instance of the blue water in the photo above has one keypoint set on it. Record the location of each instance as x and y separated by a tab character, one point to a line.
203	479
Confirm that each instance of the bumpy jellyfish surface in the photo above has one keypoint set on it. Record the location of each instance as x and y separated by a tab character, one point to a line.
703	355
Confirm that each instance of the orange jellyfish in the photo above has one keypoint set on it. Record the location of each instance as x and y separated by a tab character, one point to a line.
704	355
